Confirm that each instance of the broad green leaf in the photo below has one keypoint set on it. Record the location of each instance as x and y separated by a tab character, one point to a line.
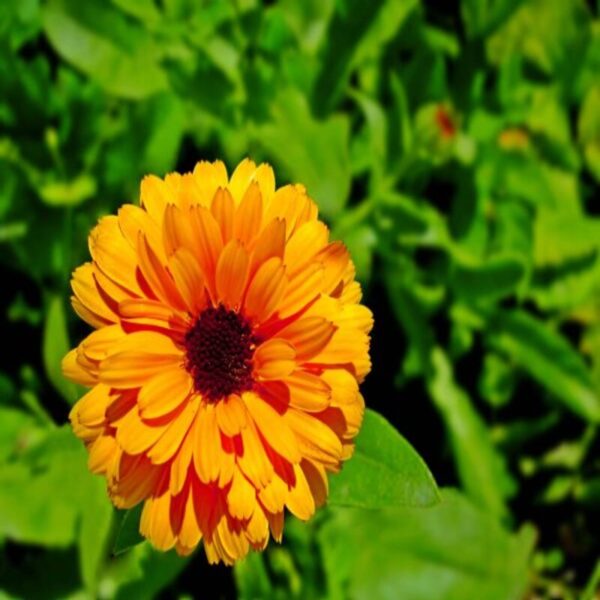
547	357
55	346
103	44
454	551
311	151
385	471
481	467
44	494
129	534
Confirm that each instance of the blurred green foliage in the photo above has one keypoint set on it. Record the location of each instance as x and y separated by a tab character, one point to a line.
455	148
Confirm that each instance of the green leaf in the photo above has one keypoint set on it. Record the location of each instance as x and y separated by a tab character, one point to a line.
129	530
55	346
68	193
102	43
251	578
47	491
384	471
481	467
499	276
548	358
454	548
310	151
357	32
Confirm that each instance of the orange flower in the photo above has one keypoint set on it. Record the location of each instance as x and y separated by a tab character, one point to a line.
224	366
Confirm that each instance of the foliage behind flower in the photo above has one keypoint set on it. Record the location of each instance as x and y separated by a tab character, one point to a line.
224	367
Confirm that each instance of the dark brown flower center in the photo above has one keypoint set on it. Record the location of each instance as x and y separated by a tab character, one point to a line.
219	349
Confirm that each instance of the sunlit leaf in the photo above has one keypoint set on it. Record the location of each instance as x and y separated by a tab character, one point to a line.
384	471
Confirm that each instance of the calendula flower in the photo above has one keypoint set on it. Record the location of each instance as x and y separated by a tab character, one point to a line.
224	367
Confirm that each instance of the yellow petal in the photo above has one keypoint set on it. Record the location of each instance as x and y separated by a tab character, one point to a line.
300	499
273	428
232	274
75	372
91	408
155	523
87	293
274	359
189	534
241	178
103	452
254	462
265	290
99	343
309	336
155	194
308	392
136	436
164	392
241	498
316	440
209	177
231	415
274	495
207	445
171	439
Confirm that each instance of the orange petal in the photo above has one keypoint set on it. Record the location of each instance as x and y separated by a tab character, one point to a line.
189	534
274	359
274	495
223	210
334	258
265	290
209	243
163	393
189	280
157	276
306	242
133	369
273	428
248	216
270	243
232	274
136	436
301	290
308	336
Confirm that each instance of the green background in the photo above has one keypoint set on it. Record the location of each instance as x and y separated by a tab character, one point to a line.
455	148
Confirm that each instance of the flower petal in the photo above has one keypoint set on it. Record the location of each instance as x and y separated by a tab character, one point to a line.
308	336
274	359
265	290
232	274
164	392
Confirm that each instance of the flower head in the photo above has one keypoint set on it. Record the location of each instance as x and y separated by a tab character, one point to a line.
224	367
